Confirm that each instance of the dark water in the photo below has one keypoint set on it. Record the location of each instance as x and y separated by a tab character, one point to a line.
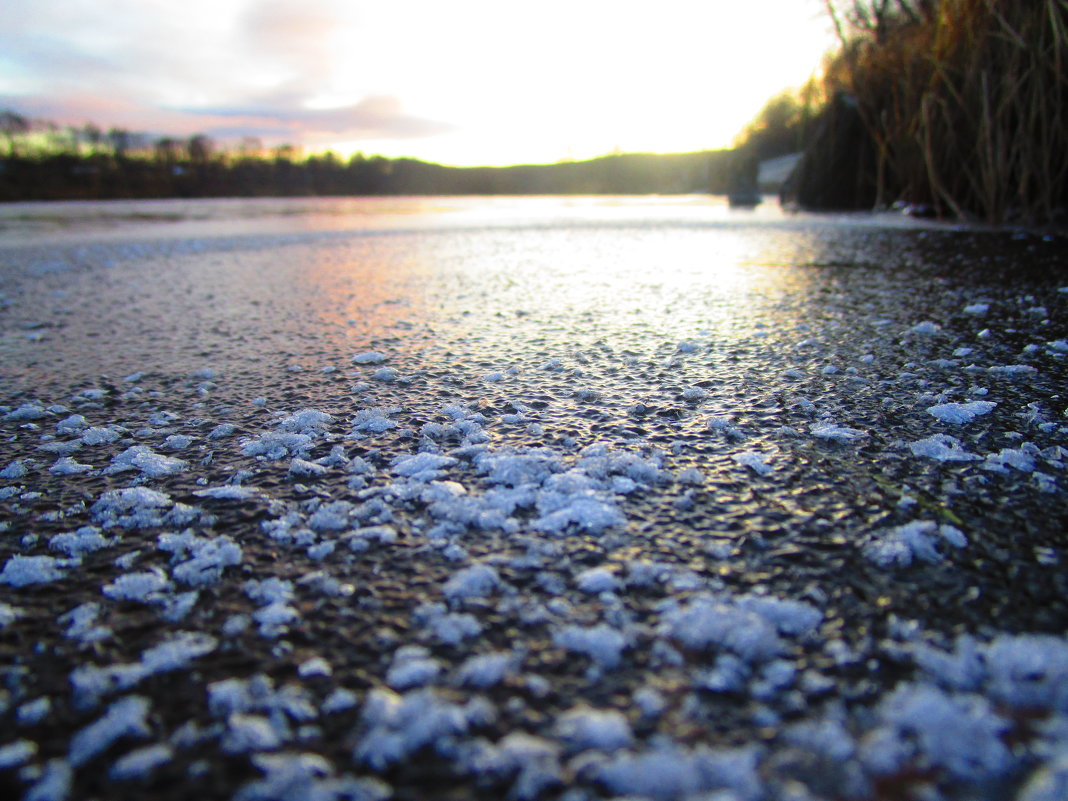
678	363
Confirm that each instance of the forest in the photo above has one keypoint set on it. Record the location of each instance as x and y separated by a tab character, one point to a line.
44	161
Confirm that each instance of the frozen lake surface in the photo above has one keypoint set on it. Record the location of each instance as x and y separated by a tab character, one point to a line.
561	498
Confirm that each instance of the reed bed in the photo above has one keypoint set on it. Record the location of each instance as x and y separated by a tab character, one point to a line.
967	106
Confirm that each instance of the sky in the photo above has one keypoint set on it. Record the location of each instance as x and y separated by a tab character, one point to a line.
461	82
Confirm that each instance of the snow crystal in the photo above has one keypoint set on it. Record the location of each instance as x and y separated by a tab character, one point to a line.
455	627
826	737
671	772
1019	459
305	421
177	442
359	538
724	426
22	571
150	463
1028	670
209	557
601	729
977	308
99	436
124	718
270	590
597	580
8	615
836	432
915	541
278	445
412	667
691	475
17	753
27	411
755	461
422	466
316	666
90	683
296	777
331	516
793	618
601	643
532	761
515	470
372	421
81	624
385	374
305	469
339	700
177	607
273	618
229	492
14	470
34	711
926	327
57	448
67	466
54	784
960	412
86	539
1048	783
72	425
140	763
935	721
399	725
706	621
586	510
943	448
246	732
370	357
650	701
137	586
1012	370
258	694
476	581
222	430
486	670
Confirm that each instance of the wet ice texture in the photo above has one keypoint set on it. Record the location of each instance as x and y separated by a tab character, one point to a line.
559	572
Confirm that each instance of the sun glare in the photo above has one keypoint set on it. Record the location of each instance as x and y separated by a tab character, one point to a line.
467	82
572	81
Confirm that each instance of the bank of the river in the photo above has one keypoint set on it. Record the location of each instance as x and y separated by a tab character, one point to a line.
556	499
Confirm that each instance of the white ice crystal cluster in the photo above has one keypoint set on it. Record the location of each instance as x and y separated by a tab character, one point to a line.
918	541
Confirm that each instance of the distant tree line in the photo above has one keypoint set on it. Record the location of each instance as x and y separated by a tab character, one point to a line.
43	161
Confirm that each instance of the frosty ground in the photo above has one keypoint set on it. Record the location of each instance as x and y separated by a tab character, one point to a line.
755	510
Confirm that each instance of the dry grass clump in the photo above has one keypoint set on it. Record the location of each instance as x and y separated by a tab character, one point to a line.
966	101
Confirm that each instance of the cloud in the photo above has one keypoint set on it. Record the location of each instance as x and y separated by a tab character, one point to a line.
374	117
267	68
380	117
294	32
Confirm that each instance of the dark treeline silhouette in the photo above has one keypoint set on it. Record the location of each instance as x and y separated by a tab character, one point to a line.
45	162
956	106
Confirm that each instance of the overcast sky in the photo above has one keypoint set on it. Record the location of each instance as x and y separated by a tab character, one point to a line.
455	81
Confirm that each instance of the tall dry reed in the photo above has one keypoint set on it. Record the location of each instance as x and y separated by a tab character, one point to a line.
968	108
